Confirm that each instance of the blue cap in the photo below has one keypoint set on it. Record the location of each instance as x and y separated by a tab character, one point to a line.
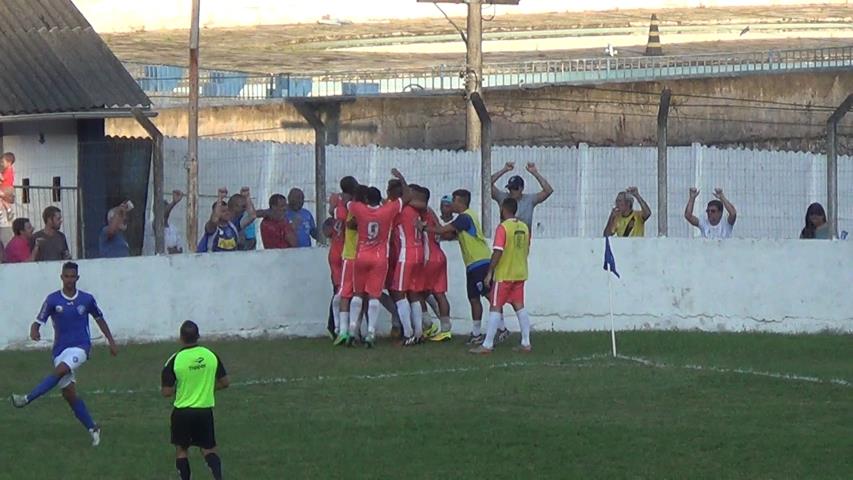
447	199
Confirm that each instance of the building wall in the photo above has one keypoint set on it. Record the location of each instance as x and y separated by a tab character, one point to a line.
735	285
617	114
44	150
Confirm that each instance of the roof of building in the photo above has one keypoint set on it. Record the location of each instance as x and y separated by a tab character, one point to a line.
52	61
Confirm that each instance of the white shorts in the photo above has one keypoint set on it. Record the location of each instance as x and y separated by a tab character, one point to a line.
74	357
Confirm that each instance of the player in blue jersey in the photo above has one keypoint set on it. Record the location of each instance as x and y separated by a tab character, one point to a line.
69	309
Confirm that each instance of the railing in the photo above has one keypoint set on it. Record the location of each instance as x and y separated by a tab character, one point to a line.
171	81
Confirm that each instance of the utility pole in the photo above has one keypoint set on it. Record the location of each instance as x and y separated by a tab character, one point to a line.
832	164
473	74
192	134
663	168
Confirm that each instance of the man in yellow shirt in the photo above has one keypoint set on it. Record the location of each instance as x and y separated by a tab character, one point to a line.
507	275
624	221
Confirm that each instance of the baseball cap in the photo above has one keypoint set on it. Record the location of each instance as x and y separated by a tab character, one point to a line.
447	199
515	182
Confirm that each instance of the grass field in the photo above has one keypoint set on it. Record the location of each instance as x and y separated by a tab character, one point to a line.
701	406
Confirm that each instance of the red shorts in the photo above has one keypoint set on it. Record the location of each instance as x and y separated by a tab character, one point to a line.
435	275
408	277
506	292
369	276
336	266
345	280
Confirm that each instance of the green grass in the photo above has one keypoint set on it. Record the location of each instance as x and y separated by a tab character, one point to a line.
436	412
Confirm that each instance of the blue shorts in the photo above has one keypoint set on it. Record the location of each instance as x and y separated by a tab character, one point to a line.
474	278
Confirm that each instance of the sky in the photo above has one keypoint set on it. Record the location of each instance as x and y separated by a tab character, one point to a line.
120	15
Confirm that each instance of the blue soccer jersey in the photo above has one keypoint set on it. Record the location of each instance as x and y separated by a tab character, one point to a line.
70	319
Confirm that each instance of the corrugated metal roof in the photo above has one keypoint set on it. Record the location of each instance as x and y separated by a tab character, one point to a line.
51	60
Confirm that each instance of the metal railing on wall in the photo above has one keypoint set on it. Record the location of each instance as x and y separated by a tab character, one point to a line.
170	81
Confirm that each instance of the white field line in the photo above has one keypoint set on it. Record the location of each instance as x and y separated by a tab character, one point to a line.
741	371
577	362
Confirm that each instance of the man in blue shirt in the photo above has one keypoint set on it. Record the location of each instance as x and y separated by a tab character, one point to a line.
301	219
69	309
111	242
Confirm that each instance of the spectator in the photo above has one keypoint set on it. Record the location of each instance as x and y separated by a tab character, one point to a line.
18	249
244	215
816	225
624	221
515	190
711	225
53	244
276	231
174	243
301	219
220	233
7	196
446	208
111	242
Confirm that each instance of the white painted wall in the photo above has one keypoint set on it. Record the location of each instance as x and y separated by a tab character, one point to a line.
113	16
734	285
40	162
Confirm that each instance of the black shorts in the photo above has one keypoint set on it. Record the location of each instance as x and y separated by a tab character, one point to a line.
193	427
474	279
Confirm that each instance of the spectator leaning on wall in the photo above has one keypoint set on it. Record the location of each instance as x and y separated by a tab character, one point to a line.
276	230
173	240
515	190
53	244
18	249
244	215
112	243
7	196
816	225
220	233
301	219
712	225
624	221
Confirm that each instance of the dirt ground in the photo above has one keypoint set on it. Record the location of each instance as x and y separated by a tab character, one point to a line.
307	48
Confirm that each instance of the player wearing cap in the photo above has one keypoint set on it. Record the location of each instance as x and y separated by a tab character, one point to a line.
515	190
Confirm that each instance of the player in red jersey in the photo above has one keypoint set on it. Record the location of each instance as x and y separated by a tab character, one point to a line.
435	268
407	281
336	249
374	221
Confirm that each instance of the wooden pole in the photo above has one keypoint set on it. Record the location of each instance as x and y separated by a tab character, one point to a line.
157	175
474	72
832	164
485	160
663	116
312	116
192	135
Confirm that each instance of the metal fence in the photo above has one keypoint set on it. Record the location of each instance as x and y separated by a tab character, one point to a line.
31	201
172	81
770	189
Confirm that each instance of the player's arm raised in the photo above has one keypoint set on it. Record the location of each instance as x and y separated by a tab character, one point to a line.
730	208
647	211
688	209
497	176
547	189
407	192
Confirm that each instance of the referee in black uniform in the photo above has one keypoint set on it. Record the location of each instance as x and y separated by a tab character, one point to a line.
192	375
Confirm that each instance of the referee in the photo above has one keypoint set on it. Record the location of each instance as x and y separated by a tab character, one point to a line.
192	375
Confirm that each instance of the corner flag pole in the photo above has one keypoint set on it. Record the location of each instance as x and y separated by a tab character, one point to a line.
612	328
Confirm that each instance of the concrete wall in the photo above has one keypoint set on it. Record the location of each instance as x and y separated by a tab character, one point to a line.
44	150
736	285
553	116
112	16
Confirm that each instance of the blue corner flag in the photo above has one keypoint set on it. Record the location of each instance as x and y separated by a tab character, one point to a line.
609	261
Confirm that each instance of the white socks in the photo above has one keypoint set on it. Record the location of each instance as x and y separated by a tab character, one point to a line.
418	319
372	315
336	311
475	328
355	307
404	310
524	324
344	320
445	324
492	329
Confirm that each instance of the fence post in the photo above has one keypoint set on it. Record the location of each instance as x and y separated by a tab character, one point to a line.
485	161
663	116
310	111
832	164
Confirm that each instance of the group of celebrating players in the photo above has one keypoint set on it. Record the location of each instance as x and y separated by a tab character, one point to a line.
394	245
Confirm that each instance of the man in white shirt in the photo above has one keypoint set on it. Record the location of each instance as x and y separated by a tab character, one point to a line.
712	225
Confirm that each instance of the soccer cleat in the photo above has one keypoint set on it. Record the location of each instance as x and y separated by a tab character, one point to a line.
432	331
441	337
522	349
410	342
369	340
19	401
475	339
342	339
96	436
502	335
480	350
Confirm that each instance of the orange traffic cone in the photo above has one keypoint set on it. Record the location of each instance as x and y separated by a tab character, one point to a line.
654	48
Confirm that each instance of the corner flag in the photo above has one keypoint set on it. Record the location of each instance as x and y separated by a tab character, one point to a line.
609	261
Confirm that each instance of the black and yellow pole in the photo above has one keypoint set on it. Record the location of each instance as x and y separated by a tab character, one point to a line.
654	48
